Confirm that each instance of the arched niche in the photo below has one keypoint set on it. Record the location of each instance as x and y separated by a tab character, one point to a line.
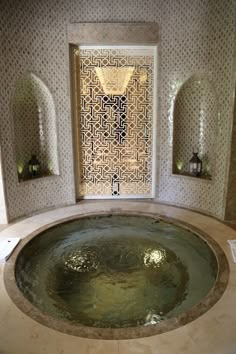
35	131
195	125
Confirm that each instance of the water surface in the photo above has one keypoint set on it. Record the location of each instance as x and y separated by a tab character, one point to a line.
116	271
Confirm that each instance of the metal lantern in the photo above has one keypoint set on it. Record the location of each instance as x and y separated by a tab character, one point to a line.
34	166
195	165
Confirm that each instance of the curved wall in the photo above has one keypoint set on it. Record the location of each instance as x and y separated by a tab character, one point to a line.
3	211
230	209
196	36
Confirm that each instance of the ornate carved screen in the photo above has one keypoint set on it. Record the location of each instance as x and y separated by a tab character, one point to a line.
114	95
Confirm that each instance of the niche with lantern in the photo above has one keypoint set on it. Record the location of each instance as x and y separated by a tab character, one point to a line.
35	132
195	128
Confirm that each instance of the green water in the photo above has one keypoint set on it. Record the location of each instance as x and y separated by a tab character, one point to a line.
116	271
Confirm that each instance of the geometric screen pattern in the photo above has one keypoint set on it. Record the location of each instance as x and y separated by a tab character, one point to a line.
115	121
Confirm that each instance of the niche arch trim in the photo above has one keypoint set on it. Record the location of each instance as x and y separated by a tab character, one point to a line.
35	127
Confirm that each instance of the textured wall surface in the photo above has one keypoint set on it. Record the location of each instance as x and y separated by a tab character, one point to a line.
230	209
195	36
3	212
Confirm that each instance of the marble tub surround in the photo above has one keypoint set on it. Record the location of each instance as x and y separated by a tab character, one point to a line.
121	333
205	334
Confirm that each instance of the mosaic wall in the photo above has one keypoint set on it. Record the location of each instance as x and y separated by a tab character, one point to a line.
230	209
3	212
35	131
3	215
116	121
195	36
195	125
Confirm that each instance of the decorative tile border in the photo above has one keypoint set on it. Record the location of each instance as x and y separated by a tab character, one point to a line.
113	33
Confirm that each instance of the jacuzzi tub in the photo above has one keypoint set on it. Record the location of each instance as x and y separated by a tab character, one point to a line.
153	323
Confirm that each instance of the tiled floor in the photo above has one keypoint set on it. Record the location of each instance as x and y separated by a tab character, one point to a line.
212	333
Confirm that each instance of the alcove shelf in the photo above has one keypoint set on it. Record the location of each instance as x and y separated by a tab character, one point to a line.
195	126
187	174
35	132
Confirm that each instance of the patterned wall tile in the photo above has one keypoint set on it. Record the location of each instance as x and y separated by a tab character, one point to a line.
195	36
230	210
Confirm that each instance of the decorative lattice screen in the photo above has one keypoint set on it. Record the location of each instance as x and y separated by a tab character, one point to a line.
115	100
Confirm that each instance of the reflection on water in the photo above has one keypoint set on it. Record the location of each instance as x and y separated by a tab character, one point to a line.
82	260
119	271
154	257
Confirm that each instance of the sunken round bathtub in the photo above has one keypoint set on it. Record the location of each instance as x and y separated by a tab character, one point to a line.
116	276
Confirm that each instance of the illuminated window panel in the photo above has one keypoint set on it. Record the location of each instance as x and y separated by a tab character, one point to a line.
115	90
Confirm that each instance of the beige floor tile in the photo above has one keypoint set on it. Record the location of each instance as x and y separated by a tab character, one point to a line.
138	347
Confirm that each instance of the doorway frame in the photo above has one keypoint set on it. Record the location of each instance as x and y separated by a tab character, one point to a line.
112	35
